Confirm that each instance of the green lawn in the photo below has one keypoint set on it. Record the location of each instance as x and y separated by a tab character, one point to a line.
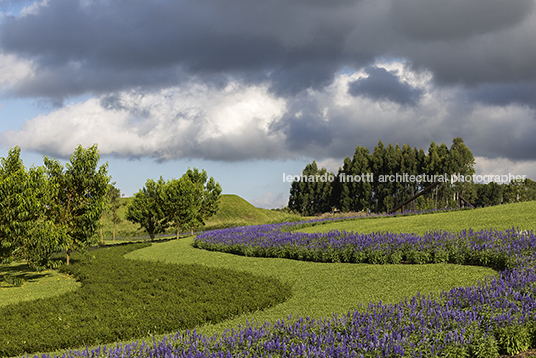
318	289
321	289
502	217
37	285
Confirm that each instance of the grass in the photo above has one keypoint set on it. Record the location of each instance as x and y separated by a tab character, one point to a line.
500	217
37	285
125	299
320	289
234	211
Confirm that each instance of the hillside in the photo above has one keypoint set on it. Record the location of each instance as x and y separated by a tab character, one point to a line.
234	211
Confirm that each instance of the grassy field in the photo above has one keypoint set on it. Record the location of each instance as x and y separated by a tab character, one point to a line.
318	289
234	211
37	285
321	289
502	217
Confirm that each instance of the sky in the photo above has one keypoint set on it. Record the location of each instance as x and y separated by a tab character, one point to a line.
253	90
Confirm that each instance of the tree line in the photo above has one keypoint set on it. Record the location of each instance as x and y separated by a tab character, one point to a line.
54	208
387	177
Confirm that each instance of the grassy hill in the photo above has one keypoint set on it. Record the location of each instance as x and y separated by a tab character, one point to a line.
234	211
500	217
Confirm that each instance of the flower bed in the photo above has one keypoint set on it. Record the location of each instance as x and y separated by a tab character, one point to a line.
496	316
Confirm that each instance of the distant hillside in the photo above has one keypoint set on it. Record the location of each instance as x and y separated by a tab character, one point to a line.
234	211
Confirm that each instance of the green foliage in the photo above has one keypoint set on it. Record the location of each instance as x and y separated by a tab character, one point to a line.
113	195
24	198
77	197
484	347
513	339
184	203
455	351
312	193
146	209
206	197
381	180
179	203
124	299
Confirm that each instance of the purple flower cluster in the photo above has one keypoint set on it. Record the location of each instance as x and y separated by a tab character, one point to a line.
497	315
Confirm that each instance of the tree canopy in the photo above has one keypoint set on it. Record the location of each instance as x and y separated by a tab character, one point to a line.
183	203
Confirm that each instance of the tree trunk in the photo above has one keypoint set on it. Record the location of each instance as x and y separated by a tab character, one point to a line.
177	230
101	238
113	236
67	254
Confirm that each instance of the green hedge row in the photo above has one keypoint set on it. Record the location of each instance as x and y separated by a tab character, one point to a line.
124	299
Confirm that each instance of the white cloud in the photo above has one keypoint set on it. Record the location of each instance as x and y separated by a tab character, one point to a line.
13	70
504	166
240	122
271	201
172	123
33	9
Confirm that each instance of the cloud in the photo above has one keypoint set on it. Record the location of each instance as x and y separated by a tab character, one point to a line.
456	19
191	122
384	85
99	46
244	80
241	122
271	201
12	70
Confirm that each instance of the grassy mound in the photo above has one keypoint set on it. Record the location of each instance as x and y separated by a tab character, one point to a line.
501	217
125	299
234	211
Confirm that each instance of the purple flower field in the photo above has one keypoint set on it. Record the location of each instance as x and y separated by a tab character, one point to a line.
495	316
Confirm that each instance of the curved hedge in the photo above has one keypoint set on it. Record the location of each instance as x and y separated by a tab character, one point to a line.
495	316
124	299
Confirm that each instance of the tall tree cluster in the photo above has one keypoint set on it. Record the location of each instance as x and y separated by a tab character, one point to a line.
50	208
368	181
183	203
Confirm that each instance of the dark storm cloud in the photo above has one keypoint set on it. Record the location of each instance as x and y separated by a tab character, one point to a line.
456	19
107	46
383	85
103	46
505	94
471	54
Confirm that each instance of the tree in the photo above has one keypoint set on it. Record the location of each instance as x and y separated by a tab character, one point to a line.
179	203
206	197
146	209
113	196
77	197
24	234
312	193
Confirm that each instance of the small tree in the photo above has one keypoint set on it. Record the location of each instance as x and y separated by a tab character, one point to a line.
205	197
24	234
113	195
77	197
179	201
146	209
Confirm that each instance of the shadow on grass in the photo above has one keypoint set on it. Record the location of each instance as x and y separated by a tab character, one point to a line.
19	271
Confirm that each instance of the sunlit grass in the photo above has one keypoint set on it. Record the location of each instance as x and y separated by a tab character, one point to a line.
502	217
37	285
321	289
